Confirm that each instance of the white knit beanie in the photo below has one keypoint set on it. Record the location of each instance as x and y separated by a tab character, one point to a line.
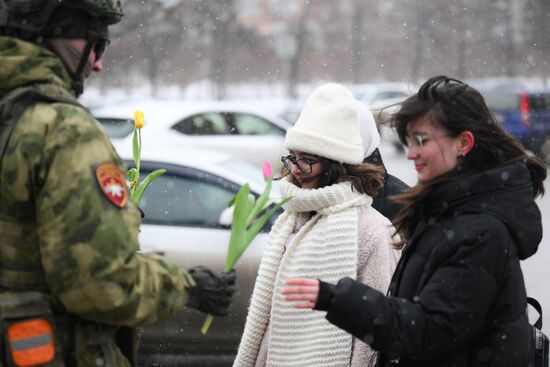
367	129
328	126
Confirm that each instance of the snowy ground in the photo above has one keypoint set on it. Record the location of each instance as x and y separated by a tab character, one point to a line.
536	269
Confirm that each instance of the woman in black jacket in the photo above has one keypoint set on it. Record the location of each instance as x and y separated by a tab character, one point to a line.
457	297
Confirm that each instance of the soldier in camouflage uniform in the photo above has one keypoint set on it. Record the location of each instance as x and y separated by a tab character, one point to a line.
72	285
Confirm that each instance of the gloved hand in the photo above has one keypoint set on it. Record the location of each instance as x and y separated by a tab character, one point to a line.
212	292
325	296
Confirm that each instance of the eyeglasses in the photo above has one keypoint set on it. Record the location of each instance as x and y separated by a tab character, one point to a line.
100	46
303	164
418	140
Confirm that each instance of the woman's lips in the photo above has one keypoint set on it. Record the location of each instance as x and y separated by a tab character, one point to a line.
419	166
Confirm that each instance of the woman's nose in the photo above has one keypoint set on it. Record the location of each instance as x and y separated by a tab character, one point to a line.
294	170
412	152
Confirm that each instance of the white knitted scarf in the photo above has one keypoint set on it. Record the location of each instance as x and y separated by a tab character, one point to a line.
324	248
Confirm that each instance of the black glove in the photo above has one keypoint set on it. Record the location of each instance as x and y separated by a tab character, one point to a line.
212	292
325	296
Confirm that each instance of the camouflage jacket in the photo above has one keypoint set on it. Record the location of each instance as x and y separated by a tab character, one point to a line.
59	232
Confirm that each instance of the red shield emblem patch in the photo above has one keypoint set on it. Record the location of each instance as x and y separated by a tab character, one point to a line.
112	183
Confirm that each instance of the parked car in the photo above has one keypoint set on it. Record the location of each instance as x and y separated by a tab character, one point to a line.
187	221
382	100
522	110
379	95
244	132
294	108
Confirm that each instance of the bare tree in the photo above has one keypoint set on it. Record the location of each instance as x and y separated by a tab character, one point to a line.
299	34
358	39
163	42
459	15
537	46
421	35
509	45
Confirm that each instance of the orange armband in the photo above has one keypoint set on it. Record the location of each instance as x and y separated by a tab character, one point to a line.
31	342
28	332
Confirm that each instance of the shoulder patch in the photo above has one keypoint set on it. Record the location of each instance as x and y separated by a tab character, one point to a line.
112	183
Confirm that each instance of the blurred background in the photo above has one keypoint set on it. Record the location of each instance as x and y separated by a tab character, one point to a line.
275	48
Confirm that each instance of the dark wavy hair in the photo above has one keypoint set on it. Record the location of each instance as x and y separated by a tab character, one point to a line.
457	107
366	178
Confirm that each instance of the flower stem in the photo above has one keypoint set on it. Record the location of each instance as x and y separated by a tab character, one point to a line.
207	323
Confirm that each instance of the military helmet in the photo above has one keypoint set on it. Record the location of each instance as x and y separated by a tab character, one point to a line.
32	16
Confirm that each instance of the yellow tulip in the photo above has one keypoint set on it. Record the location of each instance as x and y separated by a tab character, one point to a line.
138	119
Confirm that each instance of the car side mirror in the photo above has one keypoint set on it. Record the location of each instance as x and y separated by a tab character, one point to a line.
226	217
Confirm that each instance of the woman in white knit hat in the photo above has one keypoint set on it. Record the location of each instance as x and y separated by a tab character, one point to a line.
328	230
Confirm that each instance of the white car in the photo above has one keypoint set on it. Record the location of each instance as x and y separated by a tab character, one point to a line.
378	95
187	222
241	131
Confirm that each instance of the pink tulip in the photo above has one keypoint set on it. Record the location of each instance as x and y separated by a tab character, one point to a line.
268	170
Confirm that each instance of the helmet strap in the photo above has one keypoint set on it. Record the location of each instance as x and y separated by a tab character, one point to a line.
92	37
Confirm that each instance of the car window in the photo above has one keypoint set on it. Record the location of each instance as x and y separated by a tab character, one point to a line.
116	128
540	101
211	123
248	124
363	94
184	201
501	101
359	95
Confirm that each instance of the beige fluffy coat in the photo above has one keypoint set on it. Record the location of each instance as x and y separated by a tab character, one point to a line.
345	237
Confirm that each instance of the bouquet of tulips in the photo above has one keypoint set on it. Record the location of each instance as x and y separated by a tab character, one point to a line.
138	188
246	223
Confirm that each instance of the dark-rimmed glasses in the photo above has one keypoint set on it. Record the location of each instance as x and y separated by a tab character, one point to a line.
303	164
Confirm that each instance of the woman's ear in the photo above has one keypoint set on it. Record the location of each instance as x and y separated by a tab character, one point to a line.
466	143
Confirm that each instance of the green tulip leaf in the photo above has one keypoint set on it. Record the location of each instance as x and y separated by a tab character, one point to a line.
259	224
260	203
140	190
238	226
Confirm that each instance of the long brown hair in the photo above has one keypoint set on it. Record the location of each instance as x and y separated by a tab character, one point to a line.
457	107
366	178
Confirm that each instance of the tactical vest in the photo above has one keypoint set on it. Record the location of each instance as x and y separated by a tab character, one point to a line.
12	107
30	326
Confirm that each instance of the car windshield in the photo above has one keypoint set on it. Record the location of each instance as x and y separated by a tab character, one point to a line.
116	128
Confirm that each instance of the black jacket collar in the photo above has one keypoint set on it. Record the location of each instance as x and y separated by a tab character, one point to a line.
505	192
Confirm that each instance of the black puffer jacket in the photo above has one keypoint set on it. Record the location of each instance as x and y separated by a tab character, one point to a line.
458	295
